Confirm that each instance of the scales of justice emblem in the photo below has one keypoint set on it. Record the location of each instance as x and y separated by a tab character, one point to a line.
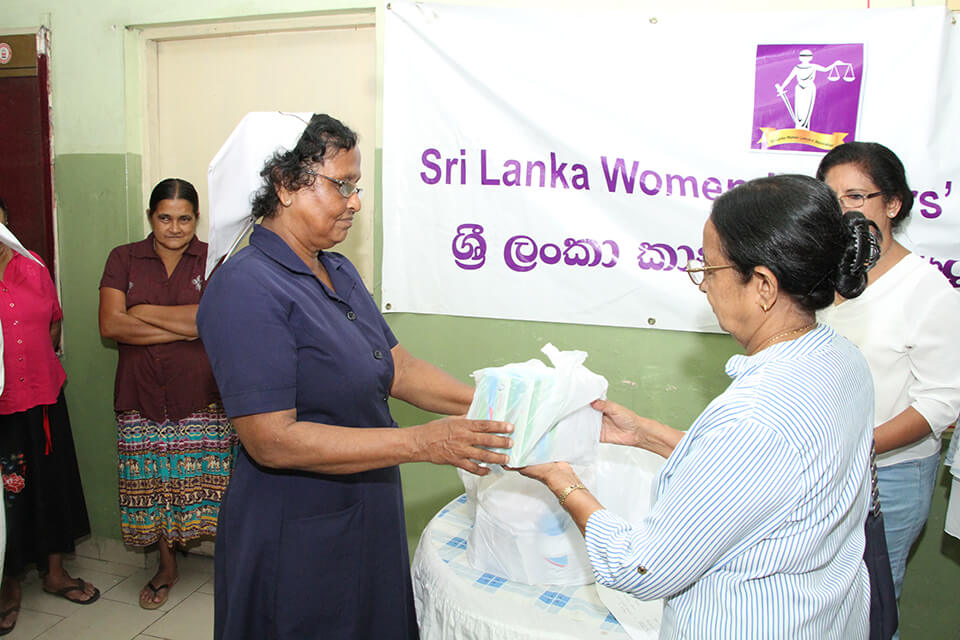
795	108
805	90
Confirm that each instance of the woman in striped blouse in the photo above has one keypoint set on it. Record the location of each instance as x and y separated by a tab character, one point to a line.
757	527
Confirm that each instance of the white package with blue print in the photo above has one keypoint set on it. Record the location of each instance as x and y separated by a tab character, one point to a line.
520	532
549	407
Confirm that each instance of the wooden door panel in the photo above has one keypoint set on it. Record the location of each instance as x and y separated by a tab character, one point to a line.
25	175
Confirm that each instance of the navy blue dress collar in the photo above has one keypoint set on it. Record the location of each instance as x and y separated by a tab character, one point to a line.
275	248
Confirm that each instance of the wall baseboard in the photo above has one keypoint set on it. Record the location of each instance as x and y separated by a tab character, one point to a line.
112	550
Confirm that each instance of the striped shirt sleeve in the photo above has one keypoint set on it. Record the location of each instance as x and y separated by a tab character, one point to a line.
730	481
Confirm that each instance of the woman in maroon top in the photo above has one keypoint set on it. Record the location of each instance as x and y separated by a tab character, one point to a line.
45	509
176	446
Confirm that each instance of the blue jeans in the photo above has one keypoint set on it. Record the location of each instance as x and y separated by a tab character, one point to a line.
905	493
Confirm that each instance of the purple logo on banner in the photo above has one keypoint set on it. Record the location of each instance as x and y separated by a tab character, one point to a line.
806	96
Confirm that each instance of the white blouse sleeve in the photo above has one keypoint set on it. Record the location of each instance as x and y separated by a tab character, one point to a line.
934	351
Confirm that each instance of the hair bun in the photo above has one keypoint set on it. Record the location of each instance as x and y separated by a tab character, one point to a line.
859	256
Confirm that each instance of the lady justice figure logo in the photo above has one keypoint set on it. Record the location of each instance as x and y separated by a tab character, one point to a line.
821	112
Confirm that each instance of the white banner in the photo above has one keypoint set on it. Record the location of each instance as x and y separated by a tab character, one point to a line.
559	165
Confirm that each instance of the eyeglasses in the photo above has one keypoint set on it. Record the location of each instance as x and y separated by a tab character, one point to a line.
696	270
856	200
344	188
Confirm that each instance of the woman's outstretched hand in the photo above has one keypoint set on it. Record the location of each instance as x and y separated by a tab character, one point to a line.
622	426
463	443
562	481
555	475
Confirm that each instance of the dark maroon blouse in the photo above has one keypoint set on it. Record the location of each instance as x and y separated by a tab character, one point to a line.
161	381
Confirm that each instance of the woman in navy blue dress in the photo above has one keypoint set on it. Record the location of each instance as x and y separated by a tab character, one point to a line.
311	540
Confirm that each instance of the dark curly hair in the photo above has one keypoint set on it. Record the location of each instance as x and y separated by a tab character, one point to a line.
793	225
882	166
323	137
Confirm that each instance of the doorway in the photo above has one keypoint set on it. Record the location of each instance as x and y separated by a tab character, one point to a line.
26	170
200	80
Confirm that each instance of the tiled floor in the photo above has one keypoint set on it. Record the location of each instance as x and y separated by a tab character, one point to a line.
187	614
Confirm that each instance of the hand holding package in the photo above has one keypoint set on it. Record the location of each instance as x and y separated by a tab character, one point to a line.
520	532
548	406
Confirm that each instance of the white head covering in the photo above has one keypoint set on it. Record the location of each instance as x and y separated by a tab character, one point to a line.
234	175
7	238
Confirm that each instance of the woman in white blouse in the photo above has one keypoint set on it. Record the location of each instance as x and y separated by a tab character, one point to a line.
904	323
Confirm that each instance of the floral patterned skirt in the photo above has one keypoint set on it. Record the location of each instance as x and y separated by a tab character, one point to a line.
172	475
43	497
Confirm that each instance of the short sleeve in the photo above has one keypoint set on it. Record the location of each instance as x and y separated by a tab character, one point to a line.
242	321
934	352
47	288
116	273
56	311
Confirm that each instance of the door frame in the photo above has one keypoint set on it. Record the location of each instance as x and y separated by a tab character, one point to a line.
142	56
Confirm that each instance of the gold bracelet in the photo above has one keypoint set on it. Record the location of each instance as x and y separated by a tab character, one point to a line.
566	492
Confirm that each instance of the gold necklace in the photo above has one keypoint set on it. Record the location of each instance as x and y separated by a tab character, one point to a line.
770	341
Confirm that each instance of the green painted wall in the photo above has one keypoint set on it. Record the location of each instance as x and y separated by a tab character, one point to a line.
97	195
97	120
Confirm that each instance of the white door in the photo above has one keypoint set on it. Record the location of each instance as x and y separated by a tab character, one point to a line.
204	85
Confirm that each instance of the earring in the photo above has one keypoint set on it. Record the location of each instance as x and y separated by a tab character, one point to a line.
764	307
287	203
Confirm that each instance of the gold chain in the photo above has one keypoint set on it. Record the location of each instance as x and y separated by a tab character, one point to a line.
775	338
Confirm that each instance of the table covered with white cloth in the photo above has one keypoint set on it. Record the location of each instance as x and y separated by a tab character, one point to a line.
454	600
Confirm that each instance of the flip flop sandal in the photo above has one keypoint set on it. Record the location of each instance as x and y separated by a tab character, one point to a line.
3	614
78	585
151	603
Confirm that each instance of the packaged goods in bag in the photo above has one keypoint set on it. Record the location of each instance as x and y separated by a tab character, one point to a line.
522	534
548	406
520	531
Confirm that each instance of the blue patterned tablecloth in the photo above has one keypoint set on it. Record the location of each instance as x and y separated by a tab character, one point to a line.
454	600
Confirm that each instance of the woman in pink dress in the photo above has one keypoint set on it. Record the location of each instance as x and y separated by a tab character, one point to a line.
45	509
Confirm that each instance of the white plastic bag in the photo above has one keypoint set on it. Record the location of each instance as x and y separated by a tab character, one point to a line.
548	406
522	533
